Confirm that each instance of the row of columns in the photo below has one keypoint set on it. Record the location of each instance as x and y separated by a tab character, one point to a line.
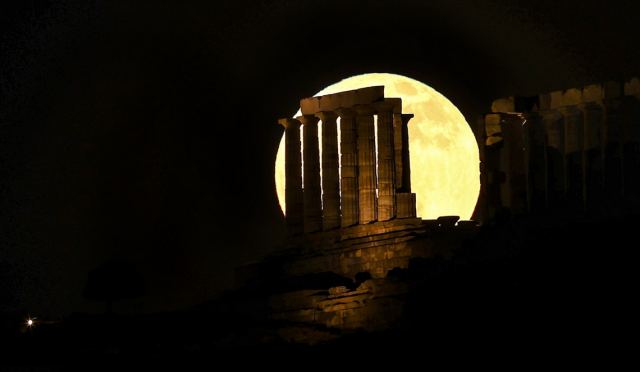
363	193
576	150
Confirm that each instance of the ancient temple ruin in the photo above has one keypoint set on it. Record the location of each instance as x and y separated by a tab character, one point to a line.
567	152
357	256
359	216
351	216
371	186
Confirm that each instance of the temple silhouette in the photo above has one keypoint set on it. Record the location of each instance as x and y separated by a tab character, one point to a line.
359	259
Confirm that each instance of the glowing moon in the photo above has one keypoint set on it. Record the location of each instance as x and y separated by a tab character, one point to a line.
445	173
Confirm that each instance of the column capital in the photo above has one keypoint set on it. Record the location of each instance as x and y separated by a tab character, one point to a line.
327	115
406	118
308	119
289	122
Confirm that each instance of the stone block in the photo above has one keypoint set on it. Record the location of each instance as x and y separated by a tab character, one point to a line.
545	101
447	221
515	104
406	205
349	98
632	87
503	105
600	92
567	97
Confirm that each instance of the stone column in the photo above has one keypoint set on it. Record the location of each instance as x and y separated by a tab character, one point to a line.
401	148
293	174
349	163
514	189
553	125
367	180
386	162
330	175
535	162
574	157
405	200
593	155
311	168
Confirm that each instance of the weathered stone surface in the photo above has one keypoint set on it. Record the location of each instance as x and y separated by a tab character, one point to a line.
503	105
567	97
535	162
349	162
386	163
574	157
330	174
346	99
632	87
406	205
366	164
515	104
447	221
493	129
553	123
507	183
293	175
311	168
296	300
395	103
599	92
401	151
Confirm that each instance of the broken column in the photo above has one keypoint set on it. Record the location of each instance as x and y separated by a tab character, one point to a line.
293	175
386	162
366	145
349	164
311	169
330	174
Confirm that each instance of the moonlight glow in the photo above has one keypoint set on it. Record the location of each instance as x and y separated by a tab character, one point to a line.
444	155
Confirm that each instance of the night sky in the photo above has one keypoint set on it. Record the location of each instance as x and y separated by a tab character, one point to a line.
147	132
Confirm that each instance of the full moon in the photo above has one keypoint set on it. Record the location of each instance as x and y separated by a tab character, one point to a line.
445	172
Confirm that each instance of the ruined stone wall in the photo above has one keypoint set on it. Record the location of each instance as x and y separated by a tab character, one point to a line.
573	151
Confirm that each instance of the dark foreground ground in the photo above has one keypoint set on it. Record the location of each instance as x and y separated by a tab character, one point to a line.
523	292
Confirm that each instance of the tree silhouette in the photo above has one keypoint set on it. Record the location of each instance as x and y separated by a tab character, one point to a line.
113	281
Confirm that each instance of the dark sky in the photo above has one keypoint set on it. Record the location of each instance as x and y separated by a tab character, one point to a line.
147	132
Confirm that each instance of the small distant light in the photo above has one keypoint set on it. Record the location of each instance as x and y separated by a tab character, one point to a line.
30	322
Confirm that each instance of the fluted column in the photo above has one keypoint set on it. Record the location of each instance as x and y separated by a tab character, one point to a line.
367	181
293	173
386	163
401	146
349	165
311	180
405	200
330	175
